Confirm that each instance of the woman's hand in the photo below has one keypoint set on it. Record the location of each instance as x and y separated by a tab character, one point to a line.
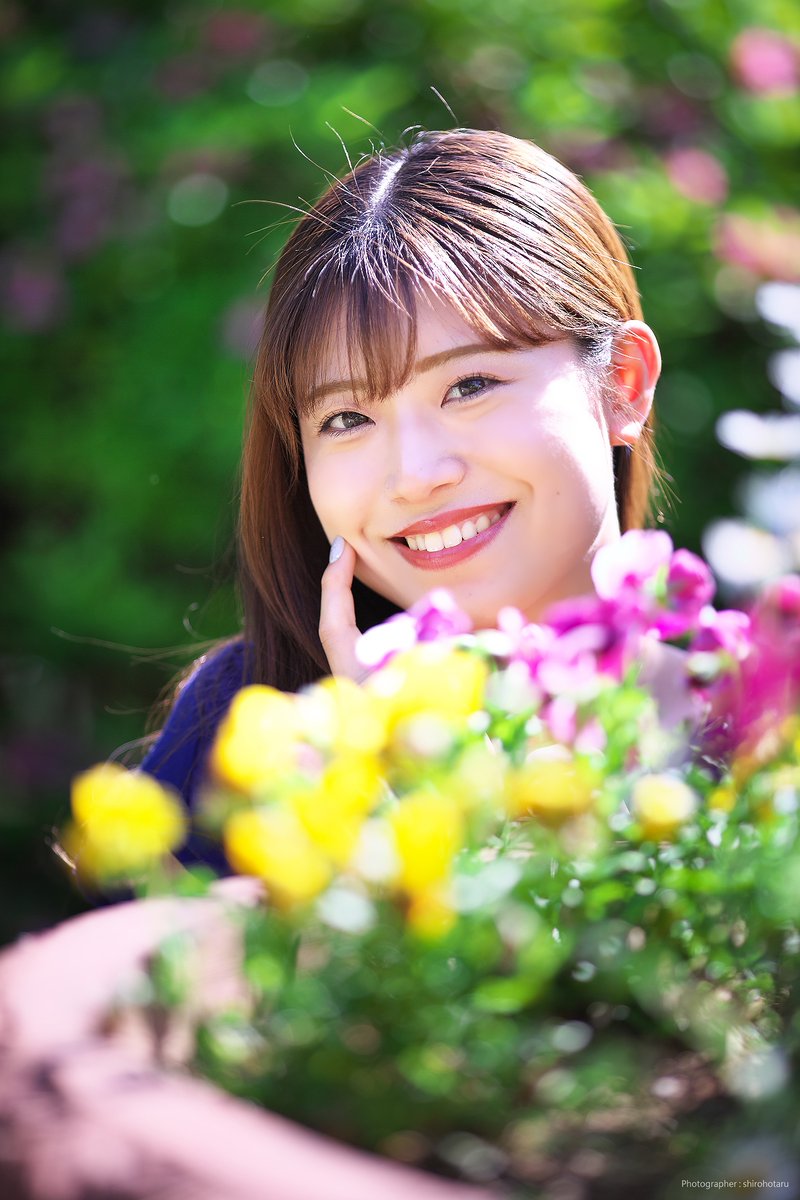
338	631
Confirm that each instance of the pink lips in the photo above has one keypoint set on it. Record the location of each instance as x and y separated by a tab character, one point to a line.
454	516
450	556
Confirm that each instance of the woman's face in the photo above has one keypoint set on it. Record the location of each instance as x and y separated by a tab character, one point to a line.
489	473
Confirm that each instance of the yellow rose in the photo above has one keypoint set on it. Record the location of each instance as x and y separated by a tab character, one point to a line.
662	803
553	790
124	821
428	829
431	677
272	844
256	741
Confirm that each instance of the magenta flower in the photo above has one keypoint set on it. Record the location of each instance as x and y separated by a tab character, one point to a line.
524	641
589	626
762	685
437	615
621	570
776	622
779	604
652	587
690	587
727	631
434	616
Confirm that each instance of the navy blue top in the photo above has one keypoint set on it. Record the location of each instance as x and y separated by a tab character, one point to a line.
180	754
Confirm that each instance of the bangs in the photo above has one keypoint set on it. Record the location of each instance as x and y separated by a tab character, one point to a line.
361	313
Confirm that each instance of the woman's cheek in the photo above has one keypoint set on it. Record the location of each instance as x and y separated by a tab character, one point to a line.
338	498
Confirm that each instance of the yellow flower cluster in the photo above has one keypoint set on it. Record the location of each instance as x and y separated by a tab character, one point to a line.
312	784
123	822
314	767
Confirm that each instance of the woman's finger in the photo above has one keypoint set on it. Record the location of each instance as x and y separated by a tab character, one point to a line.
337	618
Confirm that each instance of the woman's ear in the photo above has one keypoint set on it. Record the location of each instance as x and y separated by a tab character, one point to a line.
633	374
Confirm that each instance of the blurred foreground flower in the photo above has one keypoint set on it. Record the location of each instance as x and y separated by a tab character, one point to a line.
662	803
123	823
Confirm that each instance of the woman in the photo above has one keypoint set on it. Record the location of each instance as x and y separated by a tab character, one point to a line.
453	388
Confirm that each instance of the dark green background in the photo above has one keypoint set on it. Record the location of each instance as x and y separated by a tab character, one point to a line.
141	142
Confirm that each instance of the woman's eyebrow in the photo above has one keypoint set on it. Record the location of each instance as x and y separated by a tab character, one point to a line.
421	365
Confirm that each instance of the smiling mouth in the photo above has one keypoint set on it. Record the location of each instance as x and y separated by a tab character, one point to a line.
455	543
453	535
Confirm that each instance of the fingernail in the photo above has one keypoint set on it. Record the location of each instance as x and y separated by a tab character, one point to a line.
337	547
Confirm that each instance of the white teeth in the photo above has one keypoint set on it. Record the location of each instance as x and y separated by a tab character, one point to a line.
453	535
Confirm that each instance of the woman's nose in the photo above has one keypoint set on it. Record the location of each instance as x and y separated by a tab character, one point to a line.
422	459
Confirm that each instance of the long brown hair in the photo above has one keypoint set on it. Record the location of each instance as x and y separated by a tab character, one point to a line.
502	231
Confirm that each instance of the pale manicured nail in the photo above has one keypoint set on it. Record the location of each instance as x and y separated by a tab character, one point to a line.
337	547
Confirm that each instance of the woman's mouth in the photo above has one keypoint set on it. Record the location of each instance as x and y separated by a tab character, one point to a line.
454	543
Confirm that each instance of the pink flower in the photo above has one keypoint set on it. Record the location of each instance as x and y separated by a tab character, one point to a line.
434	616
765	62
762	682
437	615
779	604
621	570
697	175
776	623
690	587
591	634
727	631
524	641
33	293
652	587
234	34
766	246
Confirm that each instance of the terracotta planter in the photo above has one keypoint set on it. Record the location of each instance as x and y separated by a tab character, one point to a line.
90	1110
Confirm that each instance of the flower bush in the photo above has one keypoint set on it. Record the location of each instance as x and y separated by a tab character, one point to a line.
518	923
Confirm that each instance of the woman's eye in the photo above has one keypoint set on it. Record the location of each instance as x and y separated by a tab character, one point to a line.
342	422
470	385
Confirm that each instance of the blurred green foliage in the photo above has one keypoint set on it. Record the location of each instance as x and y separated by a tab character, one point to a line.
139	138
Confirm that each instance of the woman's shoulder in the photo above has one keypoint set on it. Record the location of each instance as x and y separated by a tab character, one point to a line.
178	756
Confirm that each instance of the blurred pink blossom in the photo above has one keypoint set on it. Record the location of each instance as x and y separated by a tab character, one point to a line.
769	247
434	616
88	190
234	34
751	697
697	175
72	120
727	630
184	76
623	568
667	113
765	62
591	634
33	293
690	587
